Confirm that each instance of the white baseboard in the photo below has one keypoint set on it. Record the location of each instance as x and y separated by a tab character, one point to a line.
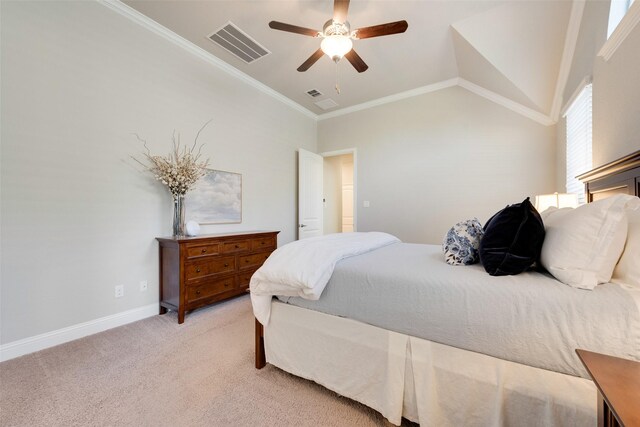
40	342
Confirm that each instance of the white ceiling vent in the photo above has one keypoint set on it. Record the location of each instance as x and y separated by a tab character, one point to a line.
326	104
237	42
314	93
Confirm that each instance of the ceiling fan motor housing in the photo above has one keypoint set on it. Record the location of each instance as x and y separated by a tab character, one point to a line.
335	28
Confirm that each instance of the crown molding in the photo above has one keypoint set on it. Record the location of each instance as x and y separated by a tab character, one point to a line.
150	24
624	28
570	42
506	103
472	87
391	98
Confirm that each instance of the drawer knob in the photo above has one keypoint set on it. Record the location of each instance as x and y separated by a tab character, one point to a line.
226	264
226	285
204	251
246	260
262	243
198	292
237	246
197	270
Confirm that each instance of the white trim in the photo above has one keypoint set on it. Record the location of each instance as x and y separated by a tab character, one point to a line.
391	98
164	32
626	25
570	41
587	80
506	103
49	339
353	151
337	152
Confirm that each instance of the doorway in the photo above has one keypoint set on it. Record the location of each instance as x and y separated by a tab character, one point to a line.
339	191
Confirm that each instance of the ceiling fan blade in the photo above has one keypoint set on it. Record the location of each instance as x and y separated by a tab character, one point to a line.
340	9
311	60
356	61
293	29
382	30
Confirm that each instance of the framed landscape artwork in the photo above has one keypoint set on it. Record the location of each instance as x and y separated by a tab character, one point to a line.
216	199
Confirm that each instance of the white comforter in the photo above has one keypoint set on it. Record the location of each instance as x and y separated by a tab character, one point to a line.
303	268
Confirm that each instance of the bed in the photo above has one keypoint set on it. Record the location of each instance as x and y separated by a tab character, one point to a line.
457	349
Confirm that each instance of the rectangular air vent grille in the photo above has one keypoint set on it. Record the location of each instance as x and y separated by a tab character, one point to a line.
314	93
326	104
237	42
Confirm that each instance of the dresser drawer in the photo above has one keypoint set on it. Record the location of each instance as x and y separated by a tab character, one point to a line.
202	268
244	279
197	251
252	261
209	289
233	247
263	243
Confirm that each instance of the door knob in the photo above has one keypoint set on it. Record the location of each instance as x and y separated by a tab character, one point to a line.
303	225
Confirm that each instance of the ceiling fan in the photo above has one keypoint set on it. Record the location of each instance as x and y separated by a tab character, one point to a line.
337	36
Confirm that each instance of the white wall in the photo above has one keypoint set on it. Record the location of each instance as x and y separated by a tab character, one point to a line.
332	189
348	191
76	217
429	161
338	171
616	102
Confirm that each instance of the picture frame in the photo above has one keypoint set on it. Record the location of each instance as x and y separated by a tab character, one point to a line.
215	199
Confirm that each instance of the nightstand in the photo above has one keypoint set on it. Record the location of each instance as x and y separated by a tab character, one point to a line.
618	382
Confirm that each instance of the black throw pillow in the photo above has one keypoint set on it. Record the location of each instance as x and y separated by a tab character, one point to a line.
512	240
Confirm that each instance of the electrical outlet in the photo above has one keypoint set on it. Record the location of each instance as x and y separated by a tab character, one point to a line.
119	291
143	286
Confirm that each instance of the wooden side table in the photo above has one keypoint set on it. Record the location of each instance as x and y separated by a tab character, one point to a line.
618	382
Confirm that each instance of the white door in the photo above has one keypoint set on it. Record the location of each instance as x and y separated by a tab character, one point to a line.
310	167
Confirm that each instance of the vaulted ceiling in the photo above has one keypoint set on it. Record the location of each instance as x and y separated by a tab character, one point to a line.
512	50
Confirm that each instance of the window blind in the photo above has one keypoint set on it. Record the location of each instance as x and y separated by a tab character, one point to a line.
579	159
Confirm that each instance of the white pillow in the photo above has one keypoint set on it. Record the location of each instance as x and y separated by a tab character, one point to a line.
628	269
582	245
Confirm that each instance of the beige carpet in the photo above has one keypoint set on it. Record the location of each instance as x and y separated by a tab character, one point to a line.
156	372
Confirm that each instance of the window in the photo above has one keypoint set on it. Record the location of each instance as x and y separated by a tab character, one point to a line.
617	11
579	141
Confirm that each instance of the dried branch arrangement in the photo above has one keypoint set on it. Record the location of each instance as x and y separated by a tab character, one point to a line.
180	169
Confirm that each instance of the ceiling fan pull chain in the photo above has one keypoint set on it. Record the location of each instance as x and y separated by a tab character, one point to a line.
337	87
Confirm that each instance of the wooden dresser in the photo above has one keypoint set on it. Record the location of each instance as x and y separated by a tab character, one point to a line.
197	271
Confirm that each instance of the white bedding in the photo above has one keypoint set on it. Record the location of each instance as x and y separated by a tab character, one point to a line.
303	268
530	318
425	382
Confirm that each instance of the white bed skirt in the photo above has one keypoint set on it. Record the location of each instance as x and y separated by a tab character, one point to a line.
425	382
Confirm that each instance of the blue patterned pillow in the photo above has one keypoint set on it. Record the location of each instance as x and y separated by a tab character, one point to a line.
461	243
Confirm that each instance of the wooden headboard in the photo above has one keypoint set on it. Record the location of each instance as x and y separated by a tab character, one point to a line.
621	176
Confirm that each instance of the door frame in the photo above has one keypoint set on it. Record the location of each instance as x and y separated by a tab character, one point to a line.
354	152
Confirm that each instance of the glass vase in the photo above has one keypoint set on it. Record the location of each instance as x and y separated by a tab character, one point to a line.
178	216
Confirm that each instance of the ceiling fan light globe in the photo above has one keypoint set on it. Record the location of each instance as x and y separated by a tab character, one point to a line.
336	46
